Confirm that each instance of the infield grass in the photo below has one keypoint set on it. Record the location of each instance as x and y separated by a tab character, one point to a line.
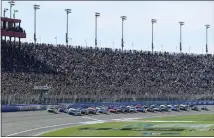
201	125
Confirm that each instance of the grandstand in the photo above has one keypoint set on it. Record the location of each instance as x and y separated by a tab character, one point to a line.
86	74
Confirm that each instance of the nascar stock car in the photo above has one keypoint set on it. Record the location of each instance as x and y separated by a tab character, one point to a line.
52	110
84	111
169	106
131	109
74	111
204	108
124	109
63	110
92	110
102	109
150	109
195	108
112	110
183	107
175	108
140	109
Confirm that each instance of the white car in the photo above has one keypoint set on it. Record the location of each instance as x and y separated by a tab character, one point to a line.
73	111
52	110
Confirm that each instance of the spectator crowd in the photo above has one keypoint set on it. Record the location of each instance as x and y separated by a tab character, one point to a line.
102	73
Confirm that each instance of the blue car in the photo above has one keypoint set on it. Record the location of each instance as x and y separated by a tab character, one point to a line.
62	110
141	109
175	108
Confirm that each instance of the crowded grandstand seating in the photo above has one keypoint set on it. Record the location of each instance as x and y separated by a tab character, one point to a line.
102	73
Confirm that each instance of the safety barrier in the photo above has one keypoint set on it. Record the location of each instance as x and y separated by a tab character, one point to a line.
16	108
34	107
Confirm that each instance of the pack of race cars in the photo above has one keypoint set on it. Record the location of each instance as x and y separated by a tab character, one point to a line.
79	111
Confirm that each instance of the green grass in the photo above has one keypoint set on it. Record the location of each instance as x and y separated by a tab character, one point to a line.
206	119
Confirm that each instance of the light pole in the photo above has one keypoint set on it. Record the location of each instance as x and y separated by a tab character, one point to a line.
56	40
36	7
96	16
5	10
122	42
14	13
207	27
86	43
66	35
12	3
70	40
153	22
181	24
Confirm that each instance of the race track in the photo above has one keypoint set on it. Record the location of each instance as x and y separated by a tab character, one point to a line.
37	122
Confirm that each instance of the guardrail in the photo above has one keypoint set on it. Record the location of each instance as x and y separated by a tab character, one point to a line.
34	107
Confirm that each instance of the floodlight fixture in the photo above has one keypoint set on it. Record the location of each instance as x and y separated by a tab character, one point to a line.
66	35
97	14
154	21
123	18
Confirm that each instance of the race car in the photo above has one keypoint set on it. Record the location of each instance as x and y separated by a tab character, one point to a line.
153	106
175	108
112	110
145	106
103	110
131	109
204	108
140	109
63	110
157	110
164	109
191	105
195	108
52	110
75	112
92	110
150	110
169	106
183	107
84	111
124	109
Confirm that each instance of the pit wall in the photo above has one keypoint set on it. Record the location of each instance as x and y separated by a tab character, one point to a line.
35	107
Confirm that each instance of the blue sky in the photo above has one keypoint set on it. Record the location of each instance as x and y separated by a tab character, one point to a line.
51	22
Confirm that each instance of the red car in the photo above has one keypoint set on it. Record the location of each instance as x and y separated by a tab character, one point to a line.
112	110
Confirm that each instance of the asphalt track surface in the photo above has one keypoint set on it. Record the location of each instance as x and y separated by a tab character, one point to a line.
34	123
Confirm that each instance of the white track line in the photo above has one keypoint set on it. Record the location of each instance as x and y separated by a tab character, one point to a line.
41	128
